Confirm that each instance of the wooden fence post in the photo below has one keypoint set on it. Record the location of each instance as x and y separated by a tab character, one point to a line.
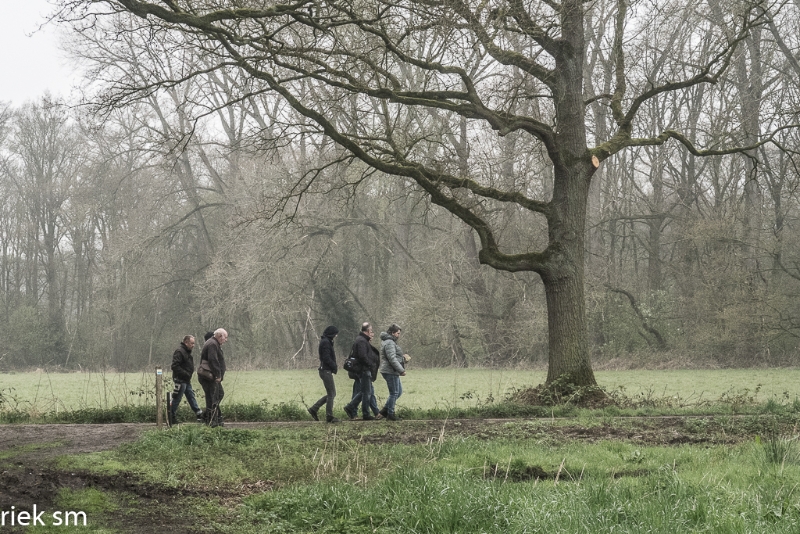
159	396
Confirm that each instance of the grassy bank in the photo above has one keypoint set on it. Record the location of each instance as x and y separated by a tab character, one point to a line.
735	468
414	478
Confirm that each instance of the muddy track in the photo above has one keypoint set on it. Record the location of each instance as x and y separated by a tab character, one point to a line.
42	441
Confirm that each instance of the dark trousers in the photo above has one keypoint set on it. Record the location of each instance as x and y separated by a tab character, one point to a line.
352	406
214	394
330	393
366	392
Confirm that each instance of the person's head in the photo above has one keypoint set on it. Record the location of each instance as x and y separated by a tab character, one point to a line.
208	335
366	329
330	332
221	335
394	330
189	342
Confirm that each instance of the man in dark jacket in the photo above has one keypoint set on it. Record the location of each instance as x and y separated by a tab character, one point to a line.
368	360
327	368
212	386
182	371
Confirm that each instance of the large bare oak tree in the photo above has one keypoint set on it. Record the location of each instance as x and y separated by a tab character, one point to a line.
390	81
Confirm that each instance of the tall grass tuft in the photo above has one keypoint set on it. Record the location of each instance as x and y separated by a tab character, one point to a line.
779	450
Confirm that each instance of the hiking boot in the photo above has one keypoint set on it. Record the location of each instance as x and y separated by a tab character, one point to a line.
313	413
332	419
369	418
392	417
384	412
378	416
351	413
200	418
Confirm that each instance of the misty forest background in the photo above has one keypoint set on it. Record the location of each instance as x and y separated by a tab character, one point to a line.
124	227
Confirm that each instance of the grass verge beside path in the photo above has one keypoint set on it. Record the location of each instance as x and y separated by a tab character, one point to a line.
592	475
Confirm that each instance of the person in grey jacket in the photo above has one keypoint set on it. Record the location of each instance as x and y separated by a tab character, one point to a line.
392	368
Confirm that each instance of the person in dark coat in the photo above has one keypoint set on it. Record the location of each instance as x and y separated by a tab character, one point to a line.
212	387
368	361
327	368
182	371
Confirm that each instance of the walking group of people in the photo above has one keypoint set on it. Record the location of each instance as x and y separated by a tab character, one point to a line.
210	374
368	361
389	361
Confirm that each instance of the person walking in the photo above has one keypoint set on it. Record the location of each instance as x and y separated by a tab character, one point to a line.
392	368
211	373
182	371
327	368
351	408
368	362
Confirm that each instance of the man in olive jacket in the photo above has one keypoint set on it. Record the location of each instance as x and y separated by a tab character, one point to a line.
182	371
212	387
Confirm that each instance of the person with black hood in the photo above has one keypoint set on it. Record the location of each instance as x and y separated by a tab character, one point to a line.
210	373
182	371
327	368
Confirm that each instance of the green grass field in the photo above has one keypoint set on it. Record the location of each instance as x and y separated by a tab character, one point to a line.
588	473
512	478
422	389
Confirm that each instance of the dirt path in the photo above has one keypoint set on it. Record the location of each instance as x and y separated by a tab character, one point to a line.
67	439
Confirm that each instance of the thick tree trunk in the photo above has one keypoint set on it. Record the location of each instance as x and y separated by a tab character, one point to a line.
567	332
563	279
563	269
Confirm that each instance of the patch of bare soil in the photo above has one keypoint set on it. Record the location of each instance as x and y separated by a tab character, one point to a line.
28	477
156	509
68	439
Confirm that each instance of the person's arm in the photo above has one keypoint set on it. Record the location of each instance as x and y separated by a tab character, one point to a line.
213	362
327	355
178	372
394	357
362	352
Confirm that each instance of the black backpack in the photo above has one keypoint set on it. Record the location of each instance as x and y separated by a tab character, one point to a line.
351	364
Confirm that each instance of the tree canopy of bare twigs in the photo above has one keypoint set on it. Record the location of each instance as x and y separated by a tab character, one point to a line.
484	107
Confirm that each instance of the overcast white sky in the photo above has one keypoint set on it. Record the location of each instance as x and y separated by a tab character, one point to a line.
30	61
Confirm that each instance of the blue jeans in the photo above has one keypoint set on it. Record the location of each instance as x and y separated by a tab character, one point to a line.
181	389
357	395
395	390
